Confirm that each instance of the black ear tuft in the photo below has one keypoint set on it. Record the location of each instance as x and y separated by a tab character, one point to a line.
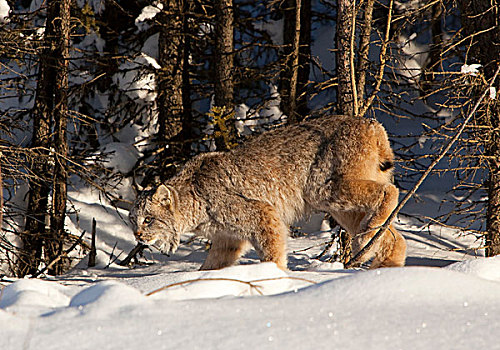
387	165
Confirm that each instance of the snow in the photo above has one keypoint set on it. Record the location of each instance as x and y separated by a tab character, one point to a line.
249	120
137	84
4	11
148	13
493	93
490	271
120	156
471	69
413	307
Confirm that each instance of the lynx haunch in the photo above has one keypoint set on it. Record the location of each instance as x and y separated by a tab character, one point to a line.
336	164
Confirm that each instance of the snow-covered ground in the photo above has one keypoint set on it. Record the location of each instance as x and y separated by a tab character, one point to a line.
169	304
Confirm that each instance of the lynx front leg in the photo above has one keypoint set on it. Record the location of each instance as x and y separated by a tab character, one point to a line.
269	235
361	206
224	253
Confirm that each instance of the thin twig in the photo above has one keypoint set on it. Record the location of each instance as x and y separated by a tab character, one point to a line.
355	259
60	256
111	260
249	283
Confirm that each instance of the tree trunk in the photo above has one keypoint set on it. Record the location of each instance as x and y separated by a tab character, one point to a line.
432	63
296	54
172	81
304	59
57	236
171	60
36	212
50	107
345	96
364	48
478	16
224	74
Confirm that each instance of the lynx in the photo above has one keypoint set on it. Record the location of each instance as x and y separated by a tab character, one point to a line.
251	194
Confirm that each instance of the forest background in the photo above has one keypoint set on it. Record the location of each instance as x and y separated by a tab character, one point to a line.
158	82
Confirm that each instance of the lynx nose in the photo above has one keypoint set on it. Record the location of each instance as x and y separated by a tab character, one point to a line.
138	235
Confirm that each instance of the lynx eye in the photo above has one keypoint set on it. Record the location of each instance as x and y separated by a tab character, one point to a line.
386	165
148	220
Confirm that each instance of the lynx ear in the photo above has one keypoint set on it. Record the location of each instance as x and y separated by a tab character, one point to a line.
163	195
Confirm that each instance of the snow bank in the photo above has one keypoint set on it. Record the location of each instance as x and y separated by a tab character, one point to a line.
418	308
33	297
105	296
487	268
255	279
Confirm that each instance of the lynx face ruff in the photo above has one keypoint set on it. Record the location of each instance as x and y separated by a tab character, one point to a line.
251	194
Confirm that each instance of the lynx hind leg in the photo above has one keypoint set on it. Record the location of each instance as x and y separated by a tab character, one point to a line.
269	236
377	201
224	253
392	250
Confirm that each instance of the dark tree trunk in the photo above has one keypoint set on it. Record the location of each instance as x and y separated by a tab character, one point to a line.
477	16
493	211
171	60
364	48
37	210
50	107
432	64
57	236
304	59
296	54
224	74
173	87
345	96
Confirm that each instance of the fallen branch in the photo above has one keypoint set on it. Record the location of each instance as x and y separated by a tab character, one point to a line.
356	259
137	250
251	284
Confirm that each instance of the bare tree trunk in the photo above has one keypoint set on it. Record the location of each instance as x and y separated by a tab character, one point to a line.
57	236
304	59
364	48
171	60
344	27
50	107
1	193
172	92
224	74
433	61
296	57
37	210
477	16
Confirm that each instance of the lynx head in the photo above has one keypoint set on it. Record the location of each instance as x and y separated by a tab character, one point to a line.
153	218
